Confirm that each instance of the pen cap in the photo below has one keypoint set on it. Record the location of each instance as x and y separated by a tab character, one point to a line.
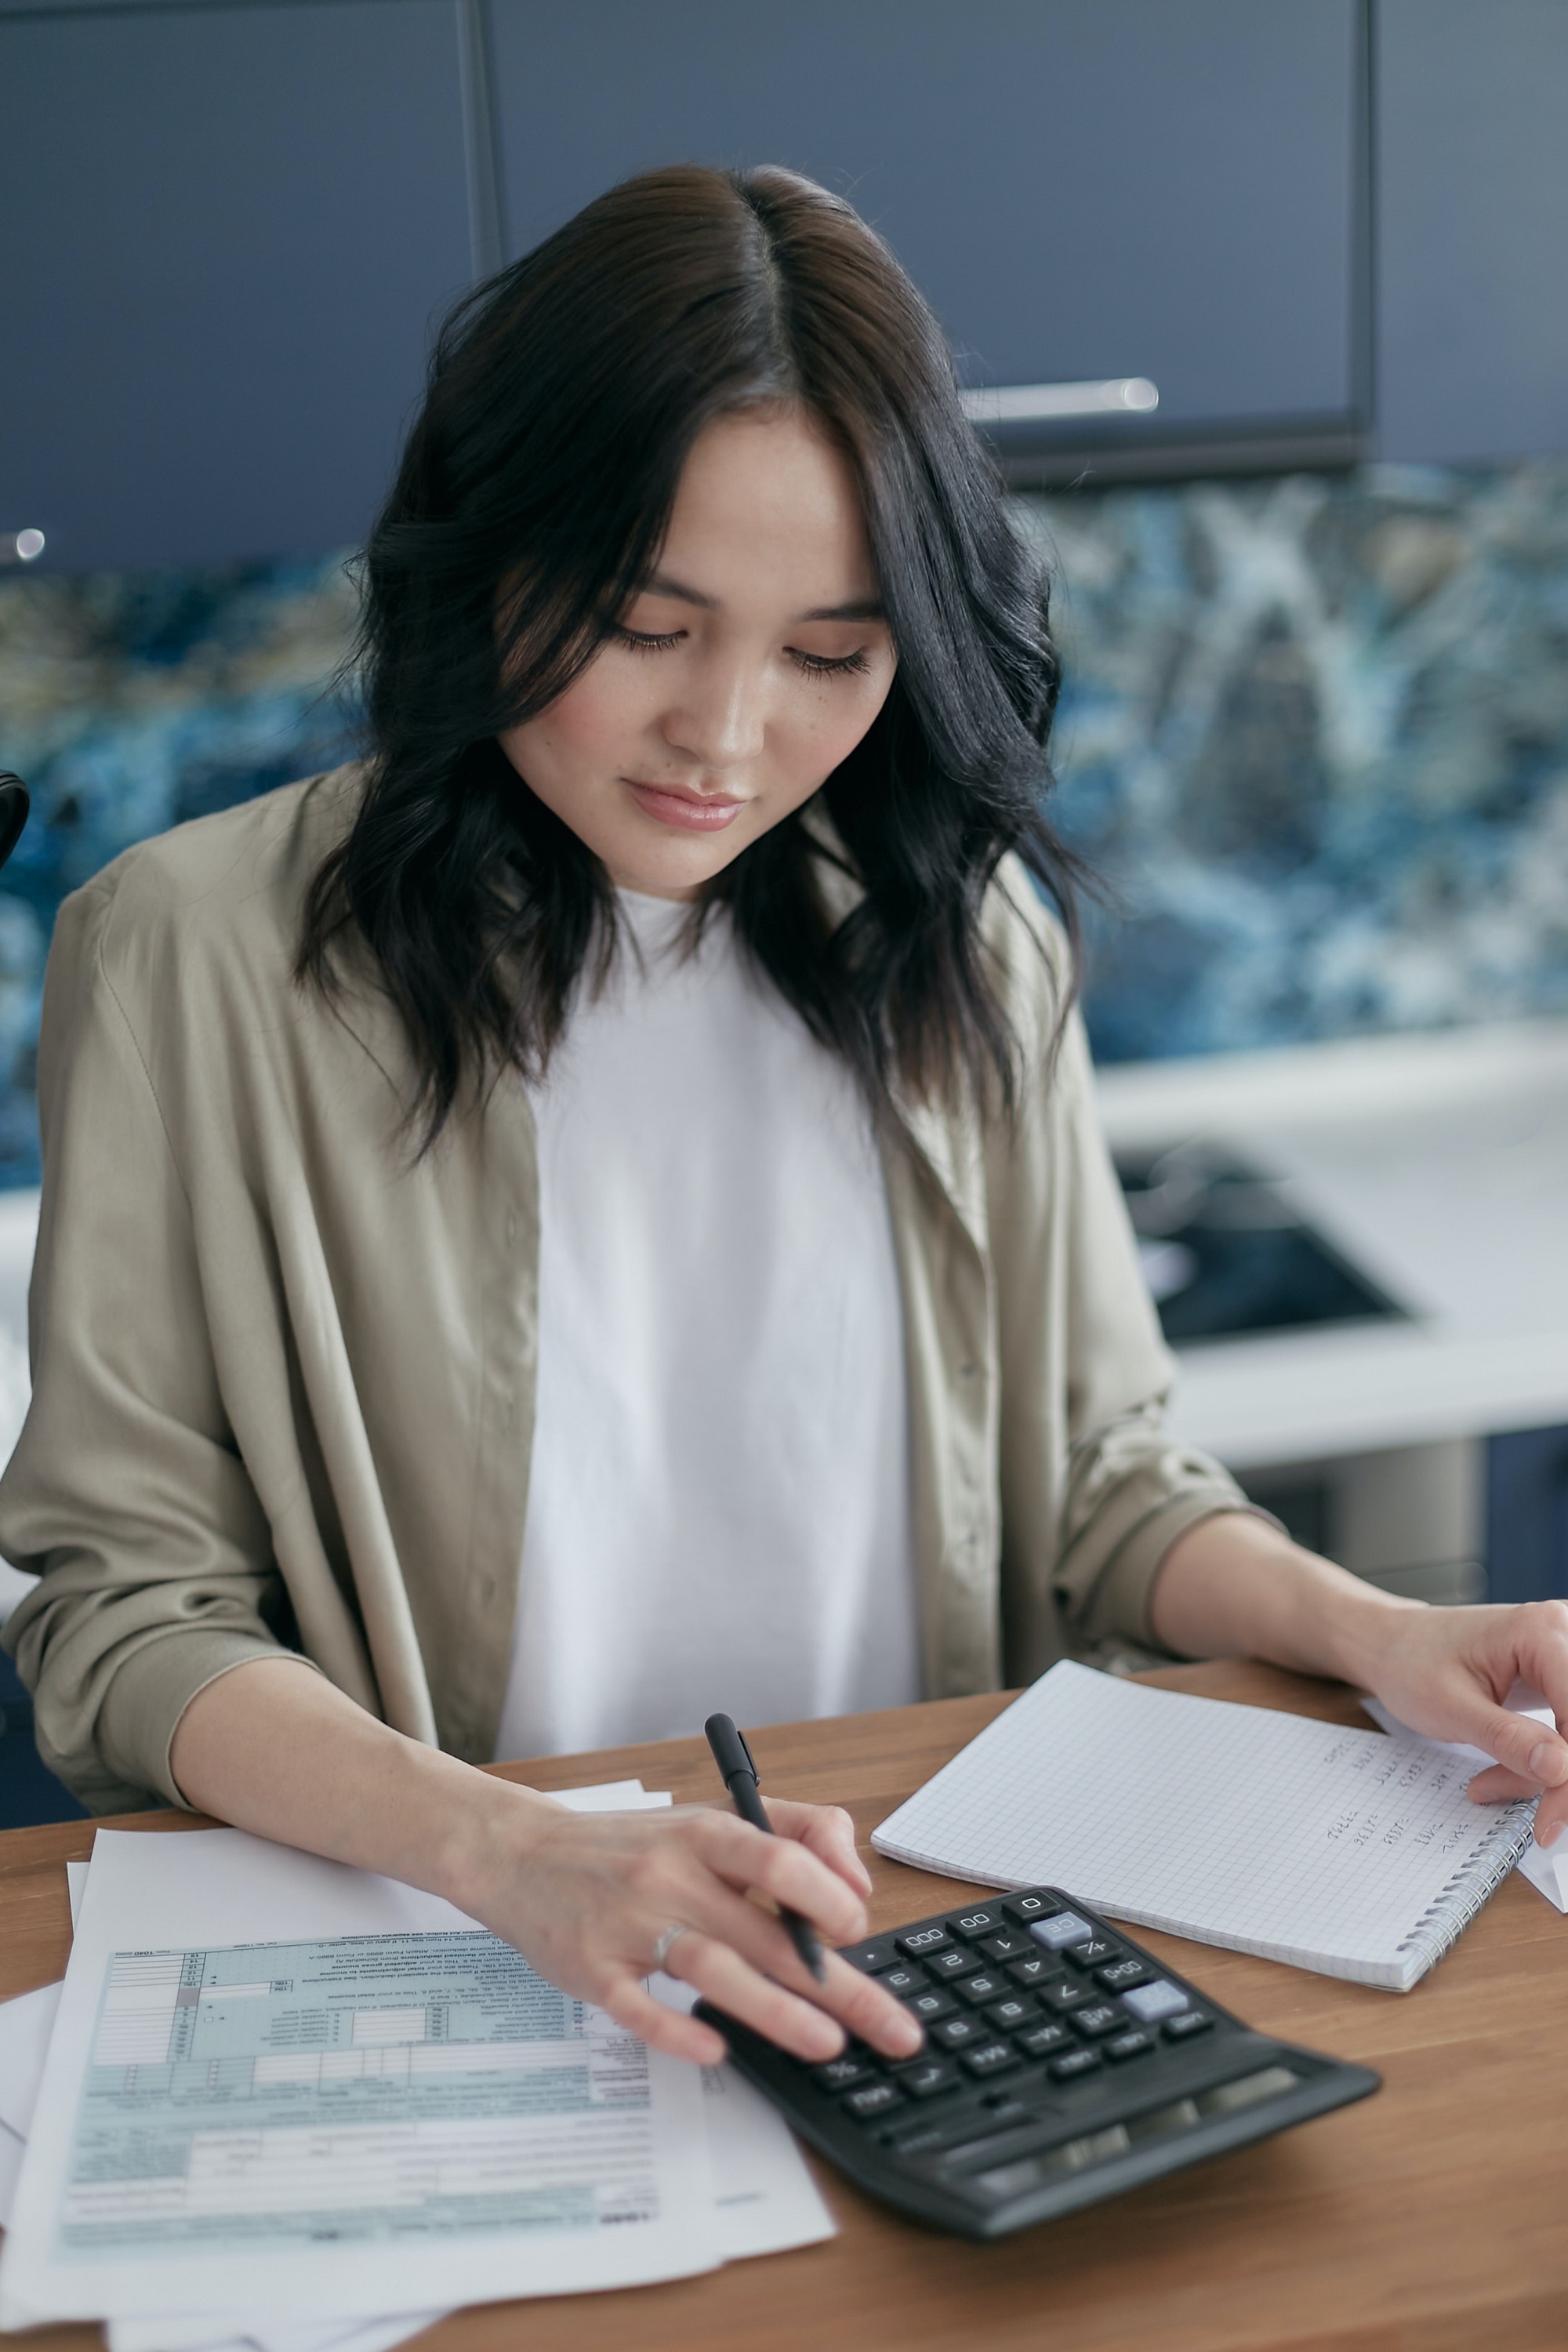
730	1752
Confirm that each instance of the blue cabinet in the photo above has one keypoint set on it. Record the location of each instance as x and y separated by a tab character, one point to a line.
227	230
1527	1515
1472	213
1083	188
28	1791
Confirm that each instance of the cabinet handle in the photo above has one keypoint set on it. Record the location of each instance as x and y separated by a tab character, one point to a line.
21	546
1043	404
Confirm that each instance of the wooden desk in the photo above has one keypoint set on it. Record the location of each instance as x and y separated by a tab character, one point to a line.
1429	2218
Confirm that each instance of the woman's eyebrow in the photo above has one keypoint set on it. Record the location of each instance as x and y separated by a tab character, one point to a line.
860	608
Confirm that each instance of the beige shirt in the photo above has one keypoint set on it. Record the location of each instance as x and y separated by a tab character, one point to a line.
284	1368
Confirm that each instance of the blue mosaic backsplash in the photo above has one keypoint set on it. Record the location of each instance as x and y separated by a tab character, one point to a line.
1314	735
1315	730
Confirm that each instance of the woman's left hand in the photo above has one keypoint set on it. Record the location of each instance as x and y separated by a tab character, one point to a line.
1446	1673
1235	1586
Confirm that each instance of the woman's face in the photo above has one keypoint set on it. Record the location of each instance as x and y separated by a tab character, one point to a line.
751	662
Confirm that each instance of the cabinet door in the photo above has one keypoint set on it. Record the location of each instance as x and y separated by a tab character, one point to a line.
1082	188
1527	1515
226	232
1472	210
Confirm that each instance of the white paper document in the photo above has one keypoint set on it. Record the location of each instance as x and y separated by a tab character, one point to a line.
26	2025
285	2088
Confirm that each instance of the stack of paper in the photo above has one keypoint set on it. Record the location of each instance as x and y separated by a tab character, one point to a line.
296	2106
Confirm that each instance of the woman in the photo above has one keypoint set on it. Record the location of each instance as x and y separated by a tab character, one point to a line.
666	1008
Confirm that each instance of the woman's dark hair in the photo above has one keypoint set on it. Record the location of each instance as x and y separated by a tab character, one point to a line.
531	500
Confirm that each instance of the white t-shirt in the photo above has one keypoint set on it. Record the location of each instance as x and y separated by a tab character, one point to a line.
718	1504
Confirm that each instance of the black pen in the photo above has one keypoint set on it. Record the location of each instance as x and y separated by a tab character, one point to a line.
738	1774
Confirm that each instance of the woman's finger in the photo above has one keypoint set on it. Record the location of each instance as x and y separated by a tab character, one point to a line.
782	1869
1498	1786
828	1833
661	2028
800	2026
825	1831
715	1914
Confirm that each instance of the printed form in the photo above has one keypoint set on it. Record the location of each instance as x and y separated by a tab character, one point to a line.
279	2085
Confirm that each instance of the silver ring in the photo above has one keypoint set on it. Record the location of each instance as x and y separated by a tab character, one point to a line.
664	1943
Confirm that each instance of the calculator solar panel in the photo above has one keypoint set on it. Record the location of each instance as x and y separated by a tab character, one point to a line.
1062	2063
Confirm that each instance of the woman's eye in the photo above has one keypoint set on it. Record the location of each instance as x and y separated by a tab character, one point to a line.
645	642
819	665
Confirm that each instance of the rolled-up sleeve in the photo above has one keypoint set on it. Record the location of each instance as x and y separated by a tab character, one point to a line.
126	1496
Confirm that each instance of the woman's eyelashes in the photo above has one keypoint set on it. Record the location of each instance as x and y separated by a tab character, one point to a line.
647	641
643	642
820	666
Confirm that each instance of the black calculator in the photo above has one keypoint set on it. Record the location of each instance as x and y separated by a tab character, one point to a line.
1062	2063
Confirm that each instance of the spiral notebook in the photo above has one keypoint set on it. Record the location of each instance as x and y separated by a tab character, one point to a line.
1347	1852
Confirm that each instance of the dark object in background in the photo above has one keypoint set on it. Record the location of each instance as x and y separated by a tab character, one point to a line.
14	808
1527	1515
1224	1252
29	1792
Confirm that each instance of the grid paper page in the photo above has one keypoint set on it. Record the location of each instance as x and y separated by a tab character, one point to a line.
1267	1832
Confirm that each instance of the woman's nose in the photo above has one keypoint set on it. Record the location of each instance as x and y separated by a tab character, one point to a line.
720	720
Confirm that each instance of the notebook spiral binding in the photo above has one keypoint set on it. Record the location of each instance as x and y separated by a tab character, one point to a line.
1440	1927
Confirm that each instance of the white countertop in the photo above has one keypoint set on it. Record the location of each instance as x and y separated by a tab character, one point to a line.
1439	1165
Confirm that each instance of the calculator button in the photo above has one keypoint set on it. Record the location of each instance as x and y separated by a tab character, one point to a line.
991	2058
871	1957
959	2032
1071	2065
903	1981
930	2005
917	1941
928	2077
1151	2002
1011	1944
1041	2040
1131	2044
987	1986
1089	1954
1181	2028
1102	2017
1036	1970
1123	1974
977	1921
1064	1927
1065	1993
1006	2016
959	1962
1024	1908
875	2099
842	2073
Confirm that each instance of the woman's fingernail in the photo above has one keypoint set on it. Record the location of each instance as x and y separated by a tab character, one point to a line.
1548	1763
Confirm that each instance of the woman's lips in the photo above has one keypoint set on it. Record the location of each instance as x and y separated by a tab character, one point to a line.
693	812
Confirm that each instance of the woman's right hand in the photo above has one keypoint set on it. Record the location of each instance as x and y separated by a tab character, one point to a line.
273	1747
585	1897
